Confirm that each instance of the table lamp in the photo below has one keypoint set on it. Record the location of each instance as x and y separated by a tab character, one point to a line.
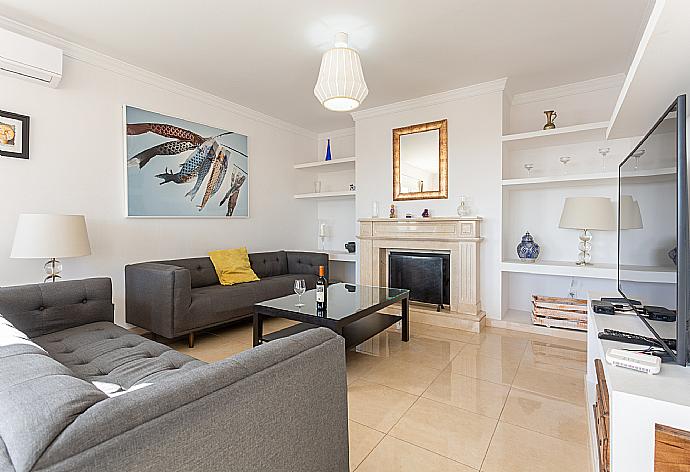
40	236
629	213
587	213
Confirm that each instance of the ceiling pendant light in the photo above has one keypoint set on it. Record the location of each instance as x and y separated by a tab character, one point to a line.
341	86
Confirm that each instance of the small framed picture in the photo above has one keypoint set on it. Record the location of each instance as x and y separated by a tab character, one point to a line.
14	135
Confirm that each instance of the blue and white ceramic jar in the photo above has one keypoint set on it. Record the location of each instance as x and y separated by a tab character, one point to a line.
528	250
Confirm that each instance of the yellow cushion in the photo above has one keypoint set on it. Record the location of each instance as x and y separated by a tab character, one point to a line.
232	266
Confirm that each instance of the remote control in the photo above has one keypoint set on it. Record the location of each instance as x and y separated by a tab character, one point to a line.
630	338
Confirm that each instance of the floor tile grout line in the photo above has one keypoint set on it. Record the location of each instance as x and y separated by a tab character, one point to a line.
498	422
433	452
384	435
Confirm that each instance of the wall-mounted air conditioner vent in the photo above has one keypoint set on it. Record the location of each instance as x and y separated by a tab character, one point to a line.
26	58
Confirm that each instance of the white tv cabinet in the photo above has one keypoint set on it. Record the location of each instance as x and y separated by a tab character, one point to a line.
637	402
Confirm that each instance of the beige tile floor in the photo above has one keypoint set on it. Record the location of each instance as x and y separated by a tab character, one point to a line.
450	400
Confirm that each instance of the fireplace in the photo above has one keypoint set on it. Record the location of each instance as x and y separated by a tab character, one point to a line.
459	238
425	274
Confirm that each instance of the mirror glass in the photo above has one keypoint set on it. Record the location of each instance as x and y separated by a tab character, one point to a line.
420	161
419	169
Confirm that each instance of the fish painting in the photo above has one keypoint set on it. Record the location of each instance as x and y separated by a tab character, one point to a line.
164	150
220	167
236	181
190	167
168	131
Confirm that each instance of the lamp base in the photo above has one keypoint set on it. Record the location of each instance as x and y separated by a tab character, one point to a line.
53	268
585	246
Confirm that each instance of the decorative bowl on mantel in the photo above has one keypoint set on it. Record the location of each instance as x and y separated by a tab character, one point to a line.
528	250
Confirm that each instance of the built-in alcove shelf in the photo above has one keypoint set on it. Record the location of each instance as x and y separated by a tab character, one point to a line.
594	271
341	256
345	193
343	163
556	137
570	180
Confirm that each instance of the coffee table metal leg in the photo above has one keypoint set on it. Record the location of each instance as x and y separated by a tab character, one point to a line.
258	328
406	319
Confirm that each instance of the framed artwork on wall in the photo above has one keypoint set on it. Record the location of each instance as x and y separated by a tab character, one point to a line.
180	169
14	135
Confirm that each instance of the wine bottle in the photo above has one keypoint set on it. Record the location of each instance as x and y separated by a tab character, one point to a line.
321	292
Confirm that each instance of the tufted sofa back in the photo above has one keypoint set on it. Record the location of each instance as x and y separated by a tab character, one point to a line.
40	309
201	270
269	264
203	274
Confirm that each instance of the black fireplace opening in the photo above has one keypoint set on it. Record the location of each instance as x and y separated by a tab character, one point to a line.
425	274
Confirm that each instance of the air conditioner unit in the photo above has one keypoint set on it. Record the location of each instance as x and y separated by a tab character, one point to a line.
28	59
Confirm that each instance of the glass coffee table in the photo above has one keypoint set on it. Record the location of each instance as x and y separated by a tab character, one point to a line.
351	312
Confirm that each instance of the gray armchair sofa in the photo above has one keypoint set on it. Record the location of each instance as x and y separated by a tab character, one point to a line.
281	406
178	297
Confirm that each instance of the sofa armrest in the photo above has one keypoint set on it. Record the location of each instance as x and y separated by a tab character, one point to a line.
39	309
281	406
306	262
155	295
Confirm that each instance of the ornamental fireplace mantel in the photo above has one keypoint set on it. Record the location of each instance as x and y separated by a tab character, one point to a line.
459	237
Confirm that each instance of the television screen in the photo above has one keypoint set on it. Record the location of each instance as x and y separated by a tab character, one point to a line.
650	222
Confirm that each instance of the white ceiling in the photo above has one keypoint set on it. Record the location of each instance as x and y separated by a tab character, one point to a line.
265	54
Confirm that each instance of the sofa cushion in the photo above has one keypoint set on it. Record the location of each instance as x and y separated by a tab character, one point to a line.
105	352
232	266
201	270
39	397
282	285
217	304
221	303
269	264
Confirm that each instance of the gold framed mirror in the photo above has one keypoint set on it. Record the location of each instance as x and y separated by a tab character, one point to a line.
420	161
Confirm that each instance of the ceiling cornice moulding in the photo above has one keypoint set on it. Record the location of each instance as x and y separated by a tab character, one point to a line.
433	99
95	58
337	133
593	85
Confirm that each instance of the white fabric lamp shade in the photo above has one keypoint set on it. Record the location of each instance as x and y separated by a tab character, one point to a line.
591	213
43	236
340	85
630	215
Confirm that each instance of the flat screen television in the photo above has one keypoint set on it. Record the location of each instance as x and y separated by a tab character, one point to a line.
653	228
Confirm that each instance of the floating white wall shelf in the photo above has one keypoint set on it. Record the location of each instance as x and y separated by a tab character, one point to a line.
568	180
345	193
335	164
342	256
556	137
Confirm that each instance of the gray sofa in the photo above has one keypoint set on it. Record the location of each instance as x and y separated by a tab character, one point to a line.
178	297
281	406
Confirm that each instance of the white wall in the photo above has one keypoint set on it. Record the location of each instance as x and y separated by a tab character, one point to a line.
583	102
474	167
76	166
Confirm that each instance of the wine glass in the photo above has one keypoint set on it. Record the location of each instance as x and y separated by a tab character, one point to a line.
639	153
529	168
604	152
564	160
300	288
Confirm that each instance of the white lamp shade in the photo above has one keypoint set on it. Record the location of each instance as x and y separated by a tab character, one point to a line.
630	215
340	85
595	213
50	236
